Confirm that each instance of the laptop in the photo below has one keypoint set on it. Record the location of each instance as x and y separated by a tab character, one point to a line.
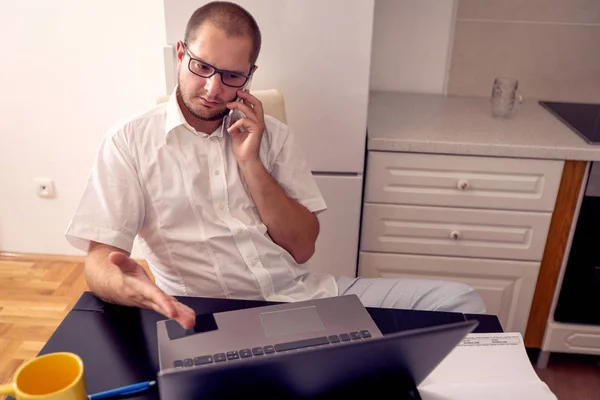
378	366
234	335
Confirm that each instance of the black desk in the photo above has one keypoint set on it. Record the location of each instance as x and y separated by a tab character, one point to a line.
118	344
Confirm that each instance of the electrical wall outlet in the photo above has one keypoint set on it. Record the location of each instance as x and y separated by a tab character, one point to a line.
44	187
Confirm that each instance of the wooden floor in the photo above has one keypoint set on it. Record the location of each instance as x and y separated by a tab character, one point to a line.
572	376
35	296
36	292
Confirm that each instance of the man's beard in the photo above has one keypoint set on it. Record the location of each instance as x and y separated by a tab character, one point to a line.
202	114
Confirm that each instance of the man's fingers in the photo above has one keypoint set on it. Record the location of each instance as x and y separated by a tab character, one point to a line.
168	306
248	111
252	101
148	295
237	126
184	315
159	301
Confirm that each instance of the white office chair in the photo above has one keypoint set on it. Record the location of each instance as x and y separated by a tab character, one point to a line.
271	99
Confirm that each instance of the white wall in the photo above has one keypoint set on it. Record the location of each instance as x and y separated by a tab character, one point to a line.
411	42
69	70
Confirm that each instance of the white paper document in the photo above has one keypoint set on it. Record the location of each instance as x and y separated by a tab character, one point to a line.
491	366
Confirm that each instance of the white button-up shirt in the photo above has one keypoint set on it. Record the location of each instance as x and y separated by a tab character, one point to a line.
181	192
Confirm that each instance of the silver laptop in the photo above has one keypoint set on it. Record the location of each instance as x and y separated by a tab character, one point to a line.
231	336
395	363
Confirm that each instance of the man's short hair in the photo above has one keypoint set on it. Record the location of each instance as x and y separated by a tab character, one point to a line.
231	18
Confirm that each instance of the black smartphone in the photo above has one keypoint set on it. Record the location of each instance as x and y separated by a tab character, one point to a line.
204	323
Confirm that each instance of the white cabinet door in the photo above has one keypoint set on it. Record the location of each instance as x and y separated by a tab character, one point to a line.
454	231
337	246
507	287
462	181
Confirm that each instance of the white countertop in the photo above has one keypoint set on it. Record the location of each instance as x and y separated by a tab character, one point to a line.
423	123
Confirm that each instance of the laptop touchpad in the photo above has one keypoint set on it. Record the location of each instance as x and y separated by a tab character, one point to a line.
292	321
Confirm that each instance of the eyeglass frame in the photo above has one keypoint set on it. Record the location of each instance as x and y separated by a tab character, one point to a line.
215	69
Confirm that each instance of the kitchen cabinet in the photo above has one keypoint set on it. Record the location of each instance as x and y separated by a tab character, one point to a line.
479	220
505	286
454	193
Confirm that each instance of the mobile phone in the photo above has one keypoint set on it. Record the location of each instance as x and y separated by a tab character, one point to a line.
204	323
235	115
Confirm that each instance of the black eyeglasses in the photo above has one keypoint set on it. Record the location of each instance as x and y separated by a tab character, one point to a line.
205	70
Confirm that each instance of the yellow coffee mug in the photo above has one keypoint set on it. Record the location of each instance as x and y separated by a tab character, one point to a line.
54	376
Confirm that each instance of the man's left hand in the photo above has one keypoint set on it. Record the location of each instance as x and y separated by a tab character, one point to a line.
246	133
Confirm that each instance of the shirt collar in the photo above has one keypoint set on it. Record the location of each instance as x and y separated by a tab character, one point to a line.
175	119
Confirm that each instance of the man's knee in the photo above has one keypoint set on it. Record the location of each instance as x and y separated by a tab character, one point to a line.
416	294
460	297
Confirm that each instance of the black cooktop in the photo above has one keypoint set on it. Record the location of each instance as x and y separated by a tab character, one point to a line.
583	118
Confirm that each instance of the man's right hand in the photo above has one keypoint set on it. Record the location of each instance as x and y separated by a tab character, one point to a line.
137	289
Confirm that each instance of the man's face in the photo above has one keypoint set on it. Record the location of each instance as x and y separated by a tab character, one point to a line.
205	98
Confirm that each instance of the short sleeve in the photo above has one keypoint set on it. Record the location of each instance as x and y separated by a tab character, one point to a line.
291	170
111	208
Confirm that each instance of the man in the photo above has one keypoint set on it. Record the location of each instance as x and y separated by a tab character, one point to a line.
219	211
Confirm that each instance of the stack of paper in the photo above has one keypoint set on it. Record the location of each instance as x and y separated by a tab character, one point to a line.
491	366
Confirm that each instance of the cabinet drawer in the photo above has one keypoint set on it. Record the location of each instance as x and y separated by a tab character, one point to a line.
506	287
454	231
572	338
462	181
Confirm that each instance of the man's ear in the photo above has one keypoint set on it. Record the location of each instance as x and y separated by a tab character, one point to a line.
180	50
254	69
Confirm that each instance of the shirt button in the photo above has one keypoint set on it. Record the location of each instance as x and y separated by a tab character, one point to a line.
255	262
217	172
239	231
221	207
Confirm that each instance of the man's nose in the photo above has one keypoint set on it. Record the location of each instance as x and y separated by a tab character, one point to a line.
214	85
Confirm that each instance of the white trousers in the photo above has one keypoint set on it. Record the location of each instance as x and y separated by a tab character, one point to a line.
413	294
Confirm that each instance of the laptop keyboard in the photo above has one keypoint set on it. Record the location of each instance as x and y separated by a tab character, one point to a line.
277	348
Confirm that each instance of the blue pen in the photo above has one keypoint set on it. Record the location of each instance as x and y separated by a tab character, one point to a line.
123	391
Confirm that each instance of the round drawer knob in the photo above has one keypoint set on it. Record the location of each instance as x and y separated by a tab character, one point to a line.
463	185
455	235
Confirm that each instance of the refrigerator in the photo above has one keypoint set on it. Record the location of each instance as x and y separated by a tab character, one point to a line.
317	53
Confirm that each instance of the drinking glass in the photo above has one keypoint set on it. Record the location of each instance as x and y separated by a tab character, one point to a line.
506	97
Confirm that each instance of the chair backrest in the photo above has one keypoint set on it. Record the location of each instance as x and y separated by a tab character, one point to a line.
273	103
271	99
